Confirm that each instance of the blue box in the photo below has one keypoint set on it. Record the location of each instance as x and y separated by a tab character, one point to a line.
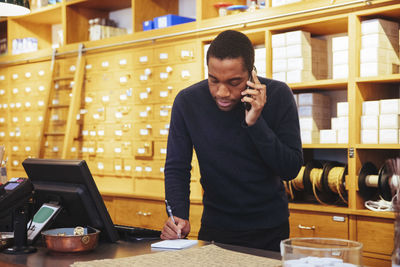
170	20
148	25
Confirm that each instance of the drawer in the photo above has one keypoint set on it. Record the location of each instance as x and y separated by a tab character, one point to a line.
143	113
143	149
186	52
160	150
141	213
149	186
165	54
376	234
162	112
143	58
144	94
143	131
316	224
161	130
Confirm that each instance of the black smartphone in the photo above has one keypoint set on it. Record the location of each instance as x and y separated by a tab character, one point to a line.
247	105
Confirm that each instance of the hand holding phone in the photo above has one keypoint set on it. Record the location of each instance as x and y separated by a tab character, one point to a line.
247	105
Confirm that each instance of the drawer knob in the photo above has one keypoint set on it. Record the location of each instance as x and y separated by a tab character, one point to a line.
306	227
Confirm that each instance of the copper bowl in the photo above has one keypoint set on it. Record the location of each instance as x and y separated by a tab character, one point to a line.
64	240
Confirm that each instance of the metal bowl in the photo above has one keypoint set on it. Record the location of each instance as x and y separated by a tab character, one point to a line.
64	240
6	240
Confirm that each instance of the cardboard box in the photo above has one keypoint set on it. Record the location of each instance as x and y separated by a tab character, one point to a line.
278	40
310	99
389	121
311	124
298	37
317	112
371	107
342	109
390	106
328	136
369	122
342	136
379	26
388	136
369	136
340	43
170	20
309	137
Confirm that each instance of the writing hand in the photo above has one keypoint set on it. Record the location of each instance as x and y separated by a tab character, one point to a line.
173	231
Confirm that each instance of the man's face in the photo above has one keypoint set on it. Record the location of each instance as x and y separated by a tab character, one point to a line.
227	79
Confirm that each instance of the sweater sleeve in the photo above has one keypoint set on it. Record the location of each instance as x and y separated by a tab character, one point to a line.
178	162
280	148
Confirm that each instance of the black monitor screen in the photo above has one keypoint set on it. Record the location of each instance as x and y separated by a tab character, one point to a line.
71	185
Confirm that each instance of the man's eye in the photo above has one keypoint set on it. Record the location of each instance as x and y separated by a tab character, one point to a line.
214	81
235	83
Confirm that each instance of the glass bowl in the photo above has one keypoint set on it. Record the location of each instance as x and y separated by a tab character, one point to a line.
314	251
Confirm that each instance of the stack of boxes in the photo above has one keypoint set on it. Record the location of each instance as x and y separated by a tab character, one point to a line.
339	132
340	57
283	2
298	58
380	121
379	53
314	115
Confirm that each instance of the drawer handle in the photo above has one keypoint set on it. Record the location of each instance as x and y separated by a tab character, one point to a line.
306	227
141	213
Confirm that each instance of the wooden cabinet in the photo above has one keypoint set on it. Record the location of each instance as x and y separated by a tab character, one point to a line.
318	224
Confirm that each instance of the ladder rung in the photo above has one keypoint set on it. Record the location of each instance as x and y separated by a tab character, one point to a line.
54	134
58	106
63	78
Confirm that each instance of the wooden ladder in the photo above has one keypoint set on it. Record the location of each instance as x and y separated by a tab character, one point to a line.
70	125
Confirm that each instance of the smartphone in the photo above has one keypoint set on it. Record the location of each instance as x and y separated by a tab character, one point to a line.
247	105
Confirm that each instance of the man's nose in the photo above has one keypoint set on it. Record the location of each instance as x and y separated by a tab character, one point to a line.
223	91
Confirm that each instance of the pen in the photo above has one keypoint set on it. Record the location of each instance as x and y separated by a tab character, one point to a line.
169	210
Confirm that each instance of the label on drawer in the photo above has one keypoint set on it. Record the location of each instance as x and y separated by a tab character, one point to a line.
143	59
338	218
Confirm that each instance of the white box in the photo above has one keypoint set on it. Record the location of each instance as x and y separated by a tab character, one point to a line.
298	51
279	76
369	122
388	136
342	109
343	136
278	40
380	40
340	71
342	123
390	106
340	57
317	112
314	99
309	137
279	65
311	124
340	43
279	52
299	63
377	55
389	121
369	136
298	76
379	26
370	107
375	69
328	136
298	37
334	123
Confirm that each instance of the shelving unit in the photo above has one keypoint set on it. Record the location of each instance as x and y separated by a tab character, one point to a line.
115	92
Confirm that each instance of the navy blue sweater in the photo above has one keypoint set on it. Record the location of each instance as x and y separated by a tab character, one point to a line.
241	167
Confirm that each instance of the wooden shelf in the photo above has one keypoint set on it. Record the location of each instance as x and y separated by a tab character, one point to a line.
50	14
377	146
320	208
320	84
394	78
105	5
325	146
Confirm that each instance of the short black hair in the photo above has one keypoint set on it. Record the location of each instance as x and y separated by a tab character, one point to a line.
232	44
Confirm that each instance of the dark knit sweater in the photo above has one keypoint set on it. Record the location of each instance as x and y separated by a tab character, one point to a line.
241	167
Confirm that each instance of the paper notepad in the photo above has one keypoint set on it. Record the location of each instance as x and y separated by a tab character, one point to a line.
174	244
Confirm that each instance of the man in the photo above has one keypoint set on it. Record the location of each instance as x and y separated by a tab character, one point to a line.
243	154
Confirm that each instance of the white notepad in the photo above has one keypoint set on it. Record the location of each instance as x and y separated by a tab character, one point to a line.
174	244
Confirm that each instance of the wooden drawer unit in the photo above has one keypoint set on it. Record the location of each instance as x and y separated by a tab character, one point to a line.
140	212
317	224
376	234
